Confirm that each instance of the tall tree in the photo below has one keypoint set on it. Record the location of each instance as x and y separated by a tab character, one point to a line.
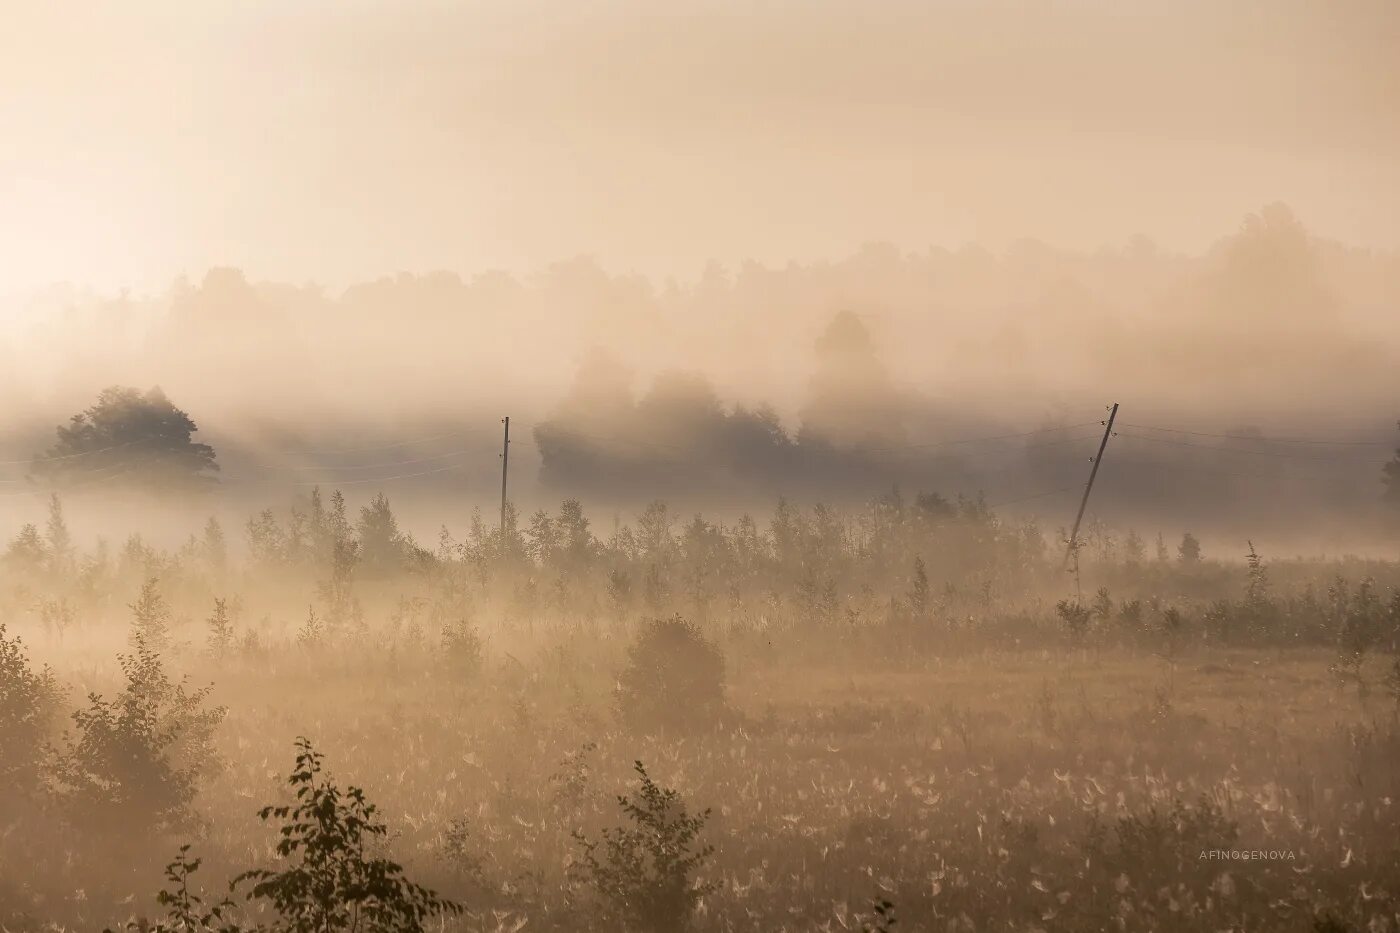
129	438
851	399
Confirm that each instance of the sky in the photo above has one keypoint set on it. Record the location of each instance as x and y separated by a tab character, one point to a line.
340	141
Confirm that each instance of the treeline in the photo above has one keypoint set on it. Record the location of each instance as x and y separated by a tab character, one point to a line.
1024	319
928	562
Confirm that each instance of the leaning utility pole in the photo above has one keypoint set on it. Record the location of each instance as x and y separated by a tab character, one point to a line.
505	465
1074	535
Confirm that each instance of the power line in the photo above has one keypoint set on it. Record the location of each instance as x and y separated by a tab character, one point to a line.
327	451
796	449
381	479
1264	439
1253	453
373	466
1038	495
983	439
74	456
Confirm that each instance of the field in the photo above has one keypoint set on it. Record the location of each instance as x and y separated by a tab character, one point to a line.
907	707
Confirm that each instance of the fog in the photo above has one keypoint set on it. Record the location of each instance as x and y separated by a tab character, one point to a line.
338	142
816	328
825	380
346	226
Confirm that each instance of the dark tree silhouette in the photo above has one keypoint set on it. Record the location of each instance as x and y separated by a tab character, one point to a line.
1390	476
851	400
128	438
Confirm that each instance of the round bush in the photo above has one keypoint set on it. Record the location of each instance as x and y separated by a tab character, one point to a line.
674	679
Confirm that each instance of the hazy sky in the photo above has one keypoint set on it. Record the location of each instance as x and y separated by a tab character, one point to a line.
341	140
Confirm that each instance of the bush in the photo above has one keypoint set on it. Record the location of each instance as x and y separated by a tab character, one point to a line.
332	882
186	911
674	678
645	875
462	647
28	707
1075	617
137	760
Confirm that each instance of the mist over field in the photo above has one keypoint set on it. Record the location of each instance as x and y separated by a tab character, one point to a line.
829	379
804	599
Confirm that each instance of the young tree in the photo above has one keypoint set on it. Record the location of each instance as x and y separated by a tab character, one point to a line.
328	877
133	438
1189	550
215	546
1134	551
919	590
382	545
60	541
150	617
27	553
646	872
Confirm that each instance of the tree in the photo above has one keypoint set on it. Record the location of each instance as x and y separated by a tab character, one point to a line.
851	400
1134	551
919	590
131	438
382	545
215	546
1391	478
60	541
1189	551
150	617
27	552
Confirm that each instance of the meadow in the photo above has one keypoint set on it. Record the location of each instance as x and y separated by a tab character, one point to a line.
905	716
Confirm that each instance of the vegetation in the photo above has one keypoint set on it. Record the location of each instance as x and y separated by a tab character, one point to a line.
674	678
892	710
646	872
331	881
131	438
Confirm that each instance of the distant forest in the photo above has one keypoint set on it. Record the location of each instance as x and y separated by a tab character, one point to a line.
838	375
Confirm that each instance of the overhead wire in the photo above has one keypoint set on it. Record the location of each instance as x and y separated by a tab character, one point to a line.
1260	438
107	472
1252	453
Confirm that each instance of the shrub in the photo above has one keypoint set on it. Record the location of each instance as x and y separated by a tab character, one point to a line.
646	871
28	706
882	919
186	911
136	760
1074	615
332	882
462	646
1166	845
674	678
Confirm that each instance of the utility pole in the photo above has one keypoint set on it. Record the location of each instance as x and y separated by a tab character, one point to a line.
1074	535
505	466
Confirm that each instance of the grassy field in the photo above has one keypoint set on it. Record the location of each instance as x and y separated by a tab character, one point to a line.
983	762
